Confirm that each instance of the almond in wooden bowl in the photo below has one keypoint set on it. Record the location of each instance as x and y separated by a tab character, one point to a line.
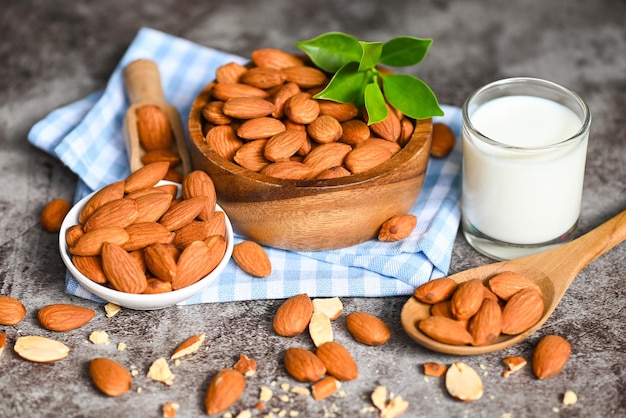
124	268
317	191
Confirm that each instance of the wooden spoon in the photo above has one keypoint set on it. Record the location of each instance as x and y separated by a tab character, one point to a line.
552	270
143	87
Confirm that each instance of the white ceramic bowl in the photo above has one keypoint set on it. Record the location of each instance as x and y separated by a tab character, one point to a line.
139	301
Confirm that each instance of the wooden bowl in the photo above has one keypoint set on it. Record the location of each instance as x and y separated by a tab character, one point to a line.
312	214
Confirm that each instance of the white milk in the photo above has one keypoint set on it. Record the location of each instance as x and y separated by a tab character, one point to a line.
523	196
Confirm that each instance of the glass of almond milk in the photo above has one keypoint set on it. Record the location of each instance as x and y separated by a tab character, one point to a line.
524	151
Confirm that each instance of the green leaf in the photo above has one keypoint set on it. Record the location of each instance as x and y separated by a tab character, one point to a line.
346	86
404	51
331	51
371	55
411	96
375	104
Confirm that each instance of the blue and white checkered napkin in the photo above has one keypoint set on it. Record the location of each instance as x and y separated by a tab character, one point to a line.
87	137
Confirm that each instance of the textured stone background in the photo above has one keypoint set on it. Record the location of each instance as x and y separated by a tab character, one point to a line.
55	52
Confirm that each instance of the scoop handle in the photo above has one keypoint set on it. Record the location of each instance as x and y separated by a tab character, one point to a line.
143	82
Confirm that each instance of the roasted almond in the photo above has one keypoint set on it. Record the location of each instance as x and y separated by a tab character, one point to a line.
90	267
117	213
12	311
113	191
434	369
506	284
197	260
121	269
161	155
523	310
397	227
153	128
40	349
53	214
252	259
224	390
333	173
247	107
390	128
147	176
354	131
193	231
436	290
325	387
445	330
550	356
156	286
217	224
367	329
109	376
293	316
72	234
91	242
303	365
274	58
338	361
198	184
280	97
64	316
467	299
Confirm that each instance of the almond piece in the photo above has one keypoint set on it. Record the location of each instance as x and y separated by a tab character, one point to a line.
290	170
113	191
189	346
91	242
170	409
12	311
251	156
252	259
302	108
246	365
247	107
331	307
229	73
161	260
435	291
325	387
121	269
152	206
303	365
199	184
147	176
523	310
184	212
445	330
224	141
550	356
467	299
274	58
506	284
117	213
293	316
40	349
160	371
463	382
513	364
144	234
225	91
64	316
442	141
224	390
366	156
283	145
109	376
367	328
486	325
263	78
260	128
397	227
195	262
320	328
53	214
3	342
153	128
326	156
325	129
341	111
435	369
338	361
304	76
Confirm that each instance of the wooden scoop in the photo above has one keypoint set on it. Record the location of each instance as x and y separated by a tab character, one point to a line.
143	87
553	271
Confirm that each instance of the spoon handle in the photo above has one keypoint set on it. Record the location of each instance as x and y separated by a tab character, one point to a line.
143	82
564	263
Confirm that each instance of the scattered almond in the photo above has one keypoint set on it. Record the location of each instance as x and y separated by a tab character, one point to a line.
397	228
12	311
3	342
331	307
303	365
224	390
40	349
513	364
463	382
246	365
64	316
338	361
189	346
53	214
435	369
442	140
109	376
325	387
160	372
550	356
293	316
320	328
367	328
252	259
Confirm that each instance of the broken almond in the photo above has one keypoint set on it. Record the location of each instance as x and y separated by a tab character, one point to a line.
160	372
463	382
40	349
331	307
189	346
513	364
325	387
434	369
246	365
320	329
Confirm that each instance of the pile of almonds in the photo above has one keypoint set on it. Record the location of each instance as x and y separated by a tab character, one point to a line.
263	117
137	237
472	313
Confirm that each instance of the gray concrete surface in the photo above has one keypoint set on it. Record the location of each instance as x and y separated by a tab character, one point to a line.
55	52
